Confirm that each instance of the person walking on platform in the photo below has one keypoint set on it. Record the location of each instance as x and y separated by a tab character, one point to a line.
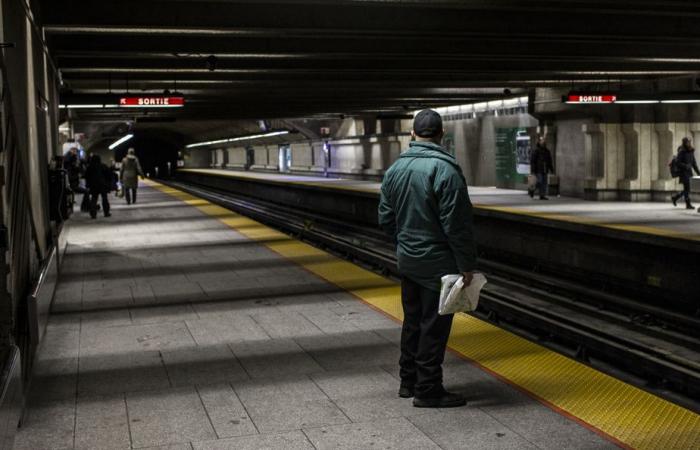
129	173
425	208
540	166
685	159
98	180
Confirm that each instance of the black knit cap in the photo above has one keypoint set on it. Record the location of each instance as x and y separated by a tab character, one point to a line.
427	124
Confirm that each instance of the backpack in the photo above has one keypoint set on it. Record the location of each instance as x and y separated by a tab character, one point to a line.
675	167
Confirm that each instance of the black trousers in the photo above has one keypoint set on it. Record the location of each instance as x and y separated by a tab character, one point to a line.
685	193
93	203
130	194
423	340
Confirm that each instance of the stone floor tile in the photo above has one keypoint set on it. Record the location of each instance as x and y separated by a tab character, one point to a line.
60	343
365	318
225	410
124	372
379	406
545	427
287	404
355	383
176	290
350	350
67	303
270	416
98	299
293	440
217	309
468	427
397	434
286	325
226	329
142	294
101	422
208	364
160	314
274	358
328	321
169	416
63	322
291	389
187	446
106	318
304	303
100	341
214	275
54	378
47	425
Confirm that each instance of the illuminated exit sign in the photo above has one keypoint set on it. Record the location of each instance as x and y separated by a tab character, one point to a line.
152	102
590	99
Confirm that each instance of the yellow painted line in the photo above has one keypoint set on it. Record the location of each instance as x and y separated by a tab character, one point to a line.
621	412
641	229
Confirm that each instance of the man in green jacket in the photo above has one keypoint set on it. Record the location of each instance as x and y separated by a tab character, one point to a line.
425	207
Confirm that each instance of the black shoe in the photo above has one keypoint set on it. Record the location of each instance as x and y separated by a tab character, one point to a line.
406	391
689	206
108	215
531	193
447	400
542	197
674	200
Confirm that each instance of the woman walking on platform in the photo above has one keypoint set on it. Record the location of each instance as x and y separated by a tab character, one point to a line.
687	164
129	173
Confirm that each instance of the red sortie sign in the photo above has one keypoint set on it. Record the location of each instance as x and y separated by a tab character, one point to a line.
145	102
591	98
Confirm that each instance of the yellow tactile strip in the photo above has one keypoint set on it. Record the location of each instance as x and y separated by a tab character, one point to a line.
626	415
554	216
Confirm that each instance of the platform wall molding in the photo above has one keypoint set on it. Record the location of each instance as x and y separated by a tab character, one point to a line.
629	161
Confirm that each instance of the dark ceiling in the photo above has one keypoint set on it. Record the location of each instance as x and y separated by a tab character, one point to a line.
301	58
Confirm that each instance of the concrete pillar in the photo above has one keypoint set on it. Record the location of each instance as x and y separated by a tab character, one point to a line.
302	157
637	149
236	158
273	157
664	151
594	151
260	158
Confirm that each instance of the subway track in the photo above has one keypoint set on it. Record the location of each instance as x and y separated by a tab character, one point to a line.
649	346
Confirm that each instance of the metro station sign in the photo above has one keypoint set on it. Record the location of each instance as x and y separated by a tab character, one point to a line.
590	99
152	102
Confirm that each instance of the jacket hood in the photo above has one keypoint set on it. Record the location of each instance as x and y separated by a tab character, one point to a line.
419	149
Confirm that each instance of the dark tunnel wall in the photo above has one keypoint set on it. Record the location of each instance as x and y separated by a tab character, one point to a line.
153	152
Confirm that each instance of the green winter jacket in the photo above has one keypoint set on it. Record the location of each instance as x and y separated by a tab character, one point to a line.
425	207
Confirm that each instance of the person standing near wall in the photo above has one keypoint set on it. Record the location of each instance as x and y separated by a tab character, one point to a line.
540	166
686	164
425	208
129	173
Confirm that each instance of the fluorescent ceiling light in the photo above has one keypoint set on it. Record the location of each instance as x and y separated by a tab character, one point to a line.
87	106
637	102
239	138
694	100
118	142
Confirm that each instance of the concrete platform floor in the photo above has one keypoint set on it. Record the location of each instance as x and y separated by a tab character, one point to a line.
172	331
655	217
